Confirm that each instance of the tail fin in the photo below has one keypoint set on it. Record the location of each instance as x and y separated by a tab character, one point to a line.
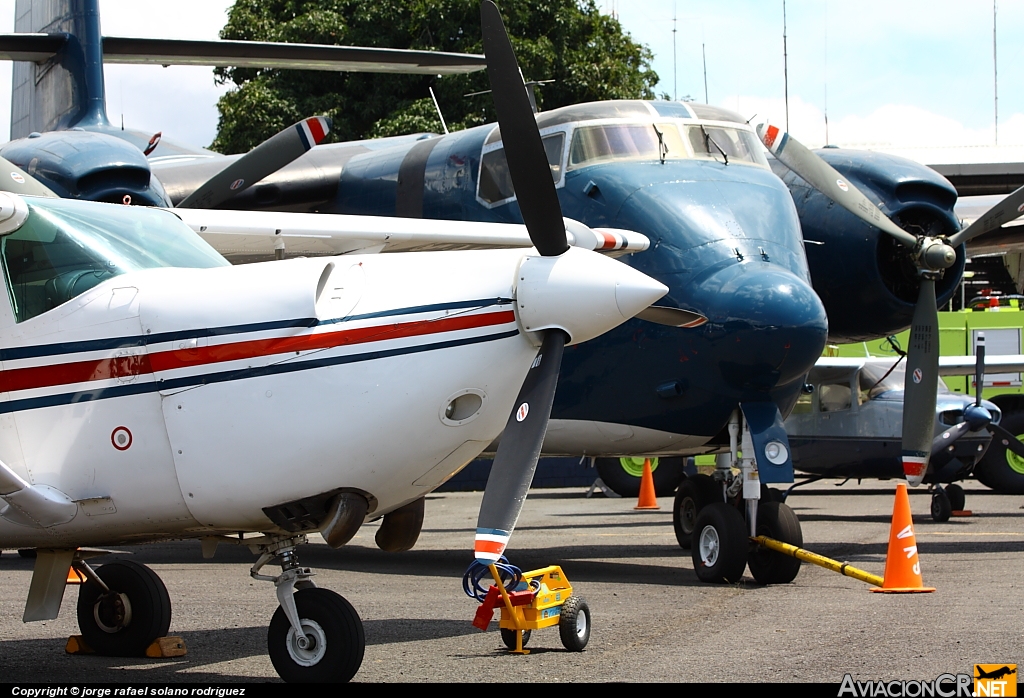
66	89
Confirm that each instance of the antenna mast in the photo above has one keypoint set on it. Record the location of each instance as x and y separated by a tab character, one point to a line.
995	71
785	63
675	68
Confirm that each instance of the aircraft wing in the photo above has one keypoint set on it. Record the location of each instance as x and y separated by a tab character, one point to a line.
37	48
1008	238
964	365
250	235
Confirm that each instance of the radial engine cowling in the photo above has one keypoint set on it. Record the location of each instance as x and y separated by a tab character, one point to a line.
865	278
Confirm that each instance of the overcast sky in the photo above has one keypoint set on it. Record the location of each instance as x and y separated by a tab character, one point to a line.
897	73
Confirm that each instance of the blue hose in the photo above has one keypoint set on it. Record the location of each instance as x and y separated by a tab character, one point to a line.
473	581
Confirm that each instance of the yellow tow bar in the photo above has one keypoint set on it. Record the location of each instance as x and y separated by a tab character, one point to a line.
819	560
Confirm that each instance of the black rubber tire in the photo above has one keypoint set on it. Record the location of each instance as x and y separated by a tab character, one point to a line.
573	639
342	630
27	552
993	470
667	476
941	508
771	494
957	498
148	602
775	520
725	524
694	493
509	637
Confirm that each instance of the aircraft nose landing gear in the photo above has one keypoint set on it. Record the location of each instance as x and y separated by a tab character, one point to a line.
315	635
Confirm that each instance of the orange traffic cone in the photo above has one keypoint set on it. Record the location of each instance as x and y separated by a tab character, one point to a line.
648	498
902	567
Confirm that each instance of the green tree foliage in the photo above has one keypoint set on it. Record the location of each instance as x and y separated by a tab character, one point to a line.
586	53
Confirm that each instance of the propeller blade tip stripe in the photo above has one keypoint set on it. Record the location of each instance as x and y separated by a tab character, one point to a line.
774	139
490	544
914	467
312	131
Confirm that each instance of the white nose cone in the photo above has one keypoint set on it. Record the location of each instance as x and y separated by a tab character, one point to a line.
581	292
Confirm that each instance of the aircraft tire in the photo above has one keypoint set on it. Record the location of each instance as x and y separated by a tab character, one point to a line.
338	641
667	476
124	622
941	508
574	624
720	544
775	520
509	637
27	552
957	498
1002	469
694	493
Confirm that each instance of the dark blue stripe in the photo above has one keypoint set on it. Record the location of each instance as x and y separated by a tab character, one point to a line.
240	374
302	136
423	309
59	348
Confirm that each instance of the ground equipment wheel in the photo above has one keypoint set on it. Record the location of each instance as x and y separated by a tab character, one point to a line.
574	624
957	498
1000	468
941	509
775	520
509	637
694	493
720	544
333	645
622	475
126	620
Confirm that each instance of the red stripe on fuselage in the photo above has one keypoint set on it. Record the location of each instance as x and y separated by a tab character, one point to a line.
128	366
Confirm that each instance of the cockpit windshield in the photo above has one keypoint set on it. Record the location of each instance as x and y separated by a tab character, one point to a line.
65	248
662	141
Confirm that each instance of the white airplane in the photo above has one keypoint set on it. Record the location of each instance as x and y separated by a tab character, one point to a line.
150	390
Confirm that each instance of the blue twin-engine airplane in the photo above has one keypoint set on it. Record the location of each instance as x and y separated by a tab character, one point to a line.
760	269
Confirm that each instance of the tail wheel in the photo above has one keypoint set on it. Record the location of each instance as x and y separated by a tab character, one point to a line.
332	645
694	493
126	620
720	543
574	624
777	521
622	475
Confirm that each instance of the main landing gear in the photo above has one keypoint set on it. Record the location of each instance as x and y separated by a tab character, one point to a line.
713	517
315	635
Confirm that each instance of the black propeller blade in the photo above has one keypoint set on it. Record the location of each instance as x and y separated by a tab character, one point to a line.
516	459
263	160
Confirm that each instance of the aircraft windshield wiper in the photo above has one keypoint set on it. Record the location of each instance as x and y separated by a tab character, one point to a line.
662	147
709	139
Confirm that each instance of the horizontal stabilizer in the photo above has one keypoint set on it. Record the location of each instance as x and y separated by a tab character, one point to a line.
265	54
33	48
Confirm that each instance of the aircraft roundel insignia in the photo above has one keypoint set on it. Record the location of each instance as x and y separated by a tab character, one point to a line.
236	184
17	177
918	375
121	438
524	409
842	185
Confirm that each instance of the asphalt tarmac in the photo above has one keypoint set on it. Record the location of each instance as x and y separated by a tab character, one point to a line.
652	619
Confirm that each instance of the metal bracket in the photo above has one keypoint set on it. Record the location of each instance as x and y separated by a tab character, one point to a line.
291	576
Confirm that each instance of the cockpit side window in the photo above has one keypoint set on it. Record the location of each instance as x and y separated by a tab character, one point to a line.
595	144
495	181
65	248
